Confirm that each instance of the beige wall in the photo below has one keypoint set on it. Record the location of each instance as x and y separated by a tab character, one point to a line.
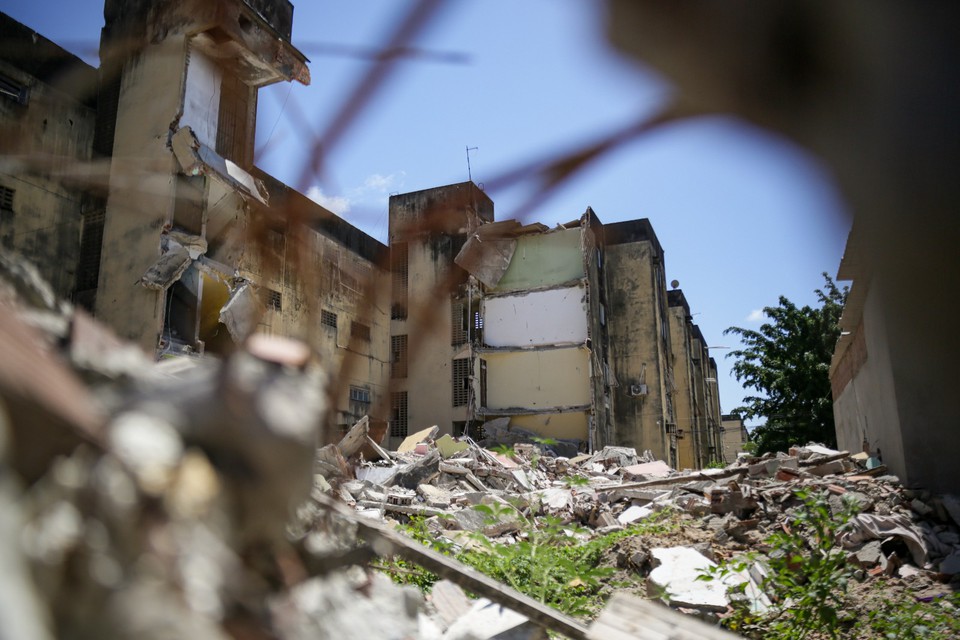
142	191
538	378
868	407
638	348
567	426
683	401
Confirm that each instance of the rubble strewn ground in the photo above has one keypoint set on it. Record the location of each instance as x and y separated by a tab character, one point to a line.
156	500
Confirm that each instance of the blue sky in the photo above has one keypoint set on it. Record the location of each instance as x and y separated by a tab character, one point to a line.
743	216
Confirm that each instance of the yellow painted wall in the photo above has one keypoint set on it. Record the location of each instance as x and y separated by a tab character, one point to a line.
538	379
572	426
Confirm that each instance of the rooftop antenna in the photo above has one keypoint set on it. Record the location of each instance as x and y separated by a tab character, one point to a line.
470	173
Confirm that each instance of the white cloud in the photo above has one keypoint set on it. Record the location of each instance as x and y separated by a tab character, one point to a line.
378	182
755	316
338	204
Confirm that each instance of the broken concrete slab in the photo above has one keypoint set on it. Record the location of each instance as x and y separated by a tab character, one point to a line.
647	470
412	475
449	447
169	267
676	579
241	312
633	513
410	443
355	438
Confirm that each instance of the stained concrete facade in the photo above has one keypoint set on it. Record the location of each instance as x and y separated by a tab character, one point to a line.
734	436
138	197
694	383
435	376
639	340
47	122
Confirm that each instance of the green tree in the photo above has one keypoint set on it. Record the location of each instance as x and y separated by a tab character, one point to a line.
787	362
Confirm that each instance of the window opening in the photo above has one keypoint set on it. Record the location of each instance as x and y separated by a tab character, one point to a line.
328	319
399	266
398	414
458	324
233	121
6	198
360	331
274	300
461	381
398	360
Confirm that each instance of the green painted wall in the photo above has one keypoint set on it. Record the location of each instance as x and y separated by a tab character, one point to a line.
544	260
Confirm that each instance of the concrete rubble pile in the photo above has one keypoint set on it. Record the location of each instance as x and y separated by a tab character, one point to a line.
906	536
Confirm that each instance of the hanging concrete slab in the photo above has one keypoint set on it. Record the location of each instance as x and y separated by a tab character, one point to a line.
168	268
198	159
241	312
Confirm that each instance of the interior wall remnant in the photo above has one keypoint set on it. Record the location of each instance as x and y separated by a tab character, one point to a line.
573	425
544	260
538	378
536	318
201	101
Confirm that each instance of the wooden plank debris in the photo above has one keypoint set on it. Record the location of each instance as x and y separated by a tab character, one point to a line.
386	542
628	617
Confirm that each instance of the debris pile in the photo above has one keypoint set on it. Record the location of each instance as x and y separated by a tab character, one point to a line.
174	499
909	538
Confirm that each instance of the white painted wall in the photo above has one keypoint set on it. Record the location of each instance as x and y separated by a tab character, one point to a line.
555	316
201	100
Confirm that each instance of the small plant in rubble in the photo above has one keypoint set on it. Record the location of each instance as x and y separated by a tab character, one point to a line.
808	576
909	619
544	563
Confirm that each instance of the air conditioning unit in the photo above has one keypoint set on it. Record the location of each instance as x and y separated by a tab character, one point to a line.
671	428
638	390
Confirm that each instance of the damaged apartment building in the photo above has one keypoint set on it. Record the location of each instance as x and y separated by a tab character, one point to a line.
133	188
563	332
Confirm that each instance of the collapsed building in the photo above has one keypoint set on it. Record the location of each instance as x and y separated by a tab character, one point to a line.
133	187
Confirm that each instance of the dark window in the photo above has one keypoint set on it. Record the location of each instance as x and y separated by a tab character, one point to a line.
398	358
461	381
458	324
274	300
13	90
399	266
398	414
91	240
360	331
234	139
6	198
328	318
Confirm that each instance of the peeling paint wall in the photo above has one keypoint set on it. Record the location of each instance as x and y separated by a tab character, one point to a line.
538	378
537	318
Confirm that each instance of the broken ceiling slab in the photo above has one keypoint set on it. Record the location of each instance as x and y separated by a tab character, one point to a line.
197	159
169	267
449	447
678	577
410	442
241	312
486	260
